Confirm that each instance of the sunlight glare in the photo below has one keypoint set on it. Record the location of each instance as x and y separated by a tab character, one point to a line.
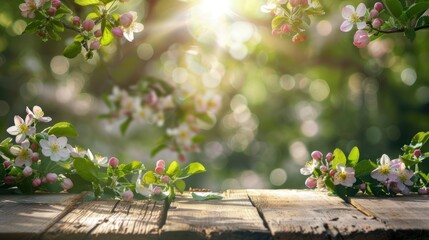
213	9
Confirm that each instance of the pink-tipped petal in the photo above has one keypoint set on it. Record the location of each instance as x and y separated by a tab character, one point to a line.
346	26
361	10
347	11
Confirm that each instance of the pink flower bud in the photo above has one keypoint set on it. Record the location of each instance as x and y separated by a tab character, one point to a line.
165	179
362	187
76	20
88	24
117	32
417	153
323	168
299	38
67	184
378	6
126	19
113	162
294	3
51	177
36	182
51	11
7	164
56	3
98	33
361	39
286	28
159	170
373	13
311	182
332	173
128	196
276	32
34	147
422	191
160	163
151	98
304	2
157	190
9	180
317	155
377	23
28	171
35	157
329	157
95	45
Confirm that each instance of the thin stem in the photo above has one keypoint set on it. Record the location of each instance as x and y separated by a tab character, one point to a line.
396	30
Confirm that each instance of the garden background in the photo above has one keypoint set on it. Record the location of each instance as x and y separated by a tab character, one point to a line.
280	100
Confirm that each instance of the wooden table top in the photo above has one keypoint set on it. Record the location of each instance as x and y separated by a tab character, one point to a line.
242	214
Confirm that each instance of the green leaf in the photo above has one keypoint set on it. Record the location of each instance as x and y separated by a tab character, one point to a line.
330	184
394	7
107	37
157	149
6	151
72	50
78	38
79	184
417	9
124	126
57	25
63	129
87	2
63	10
149	177
363	170
193	168
206	196
26	186
339	158
410	33
93	15
86	169
353	158
180	185
33	26
198	139
6	142
278	21
52	34
423	21
205	118
173	170
134	165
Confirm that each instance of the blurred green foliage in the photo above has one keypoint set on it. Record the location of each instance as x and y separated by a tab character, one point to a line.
280	100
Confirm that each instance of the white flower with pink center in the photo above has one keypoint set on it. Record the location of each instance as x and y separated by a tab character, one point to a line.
55	148
344	175
23	153
274	7
38	114
404	175
309	167
183	134
133	27
22	128
143	114
352	16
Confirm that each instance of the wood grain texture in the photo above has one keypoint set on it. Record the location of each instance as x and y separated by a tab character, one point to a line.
28	216
405	217
303	214
233	217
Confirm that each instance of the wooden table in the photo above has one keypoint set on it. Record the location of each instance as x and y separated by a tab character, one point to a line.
242	214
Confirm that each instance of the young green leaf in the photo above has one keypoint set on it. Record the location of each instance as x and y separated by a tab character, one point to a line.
149	177
157	149
173	170
278	21
363	170
394	7
417	9
86	169
87	2
339	157
107	37
63	129
134	165
72	50
124	126
353	158
193	168
180	185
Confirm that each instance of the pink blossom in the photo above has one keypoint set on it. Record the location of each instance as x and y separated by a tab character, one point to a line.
317	155
67	184
38	114
286	28
165	179
373	13
361	39
311	182
76	20
56	3
352	16
22	128
6	164
88	24
344	176
378	6
51	177
36	182
28	171
23	153
51	11
377	23
417	153
117	32
126	19
329	157
29	8
386	171
113	162
98	33
160	163
128	196
157	190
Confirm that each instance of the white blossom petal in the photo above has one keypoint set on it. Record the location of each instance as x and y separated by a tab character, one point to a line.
361	10
347	11
346	26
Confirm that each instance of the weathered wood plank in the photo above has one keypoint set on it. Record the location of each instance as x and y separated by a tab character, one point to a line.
233	217
303	214
110	219
28	216
405	216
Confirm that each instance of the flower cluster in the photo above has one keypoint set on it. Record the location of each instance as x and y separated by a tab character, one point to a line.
45	161
394	17
184	106
291	17
345	176
49	18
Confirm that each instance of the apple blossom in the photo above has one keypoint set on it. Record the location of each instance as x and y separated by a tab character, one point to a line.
35	157
126	19
117	32
274	8
386	170
311	182
95	45
286	28
128	196
143	114
309	167
30	6
317	155
378	6
352	17
36	182
27	171
98	159
67	184
7	164
373	13
157	190
376	23
52	11
88	24
55	148
38	114
56	3
132	27
51	177
361	39
417	153
404	175
344	175
113	162
329	157
22	128
165	179
23	153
